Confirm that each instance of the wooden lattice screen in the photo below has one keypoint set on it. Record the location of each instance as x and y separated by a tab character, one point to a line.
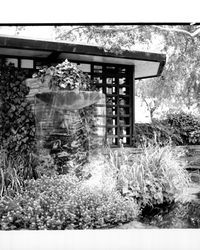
116	82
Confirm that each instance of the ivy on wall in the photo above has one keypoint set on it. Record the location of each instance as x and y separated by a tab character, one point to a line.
17	122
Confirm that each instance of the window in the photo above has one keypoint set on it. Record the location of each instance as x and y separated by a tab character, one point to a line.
27	64
13	61
86	68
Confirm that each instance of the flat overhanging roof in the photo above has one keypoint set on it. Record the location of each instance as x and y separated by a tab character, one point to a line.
146	64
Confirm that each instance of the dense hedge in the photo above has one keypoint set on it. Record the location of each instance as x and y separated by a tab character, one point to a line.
187	126
177	128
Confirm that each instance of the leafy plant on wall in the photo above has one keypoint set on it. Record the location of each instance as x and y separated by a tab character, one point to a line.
65	76
17	122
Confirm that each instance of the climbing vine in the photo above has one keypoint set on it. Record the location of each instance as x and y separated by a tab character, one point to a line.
17	125
17	122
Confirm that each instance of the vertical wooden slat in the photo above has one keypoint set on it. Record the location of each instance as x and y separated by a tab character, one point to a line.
118	110
19	63
133	105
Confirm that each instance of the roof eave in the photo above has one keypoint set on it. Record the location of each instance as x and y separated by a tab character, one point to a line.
17	42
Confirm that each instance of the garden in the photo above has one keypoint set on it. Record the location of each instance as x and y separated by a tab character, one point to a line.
73	185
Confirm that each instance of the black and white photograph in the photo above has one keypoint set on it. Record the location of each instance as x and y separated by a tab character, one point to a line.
100	129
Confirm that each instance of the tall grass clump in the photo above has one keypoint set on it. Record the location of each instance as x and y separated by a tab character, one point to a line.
15	169
11	173
153	177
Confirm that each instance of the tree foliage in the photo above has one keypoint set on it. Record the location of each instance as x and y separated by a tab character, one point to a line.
179	84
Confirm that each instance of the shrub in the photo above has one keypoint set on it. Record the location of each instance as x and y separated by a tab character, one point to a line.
177	129
153	177
63	202
158	132
186	126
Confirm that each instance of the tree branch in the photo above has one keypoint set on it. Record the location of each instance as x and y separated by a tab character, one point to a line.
192	35
109	29
76	28
124	29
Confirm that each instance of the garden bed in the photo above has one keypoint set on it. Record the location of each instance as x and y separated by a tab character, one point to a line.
114	189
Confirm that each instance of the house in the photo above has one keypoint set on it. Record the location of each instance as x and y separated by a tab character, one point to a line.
113	74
